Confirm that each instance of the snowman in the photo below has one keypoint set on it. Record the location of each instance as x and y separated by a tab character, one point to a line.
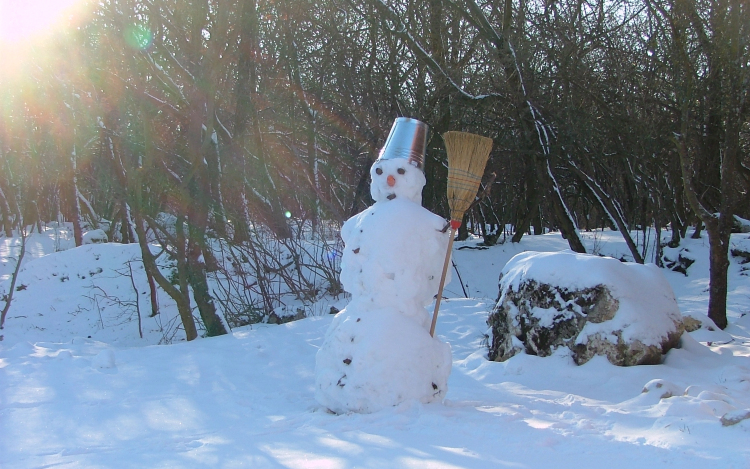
378	351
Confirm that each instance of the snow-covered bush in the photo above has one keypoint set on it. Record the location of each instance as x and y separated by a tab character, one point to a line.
259	278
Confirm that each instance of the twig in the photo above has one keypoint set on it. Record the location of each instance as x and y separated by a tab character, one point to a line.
137	298
455	267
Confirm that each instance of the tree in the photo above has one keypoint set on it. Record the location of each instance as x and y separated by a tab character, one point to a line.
710	82
7	297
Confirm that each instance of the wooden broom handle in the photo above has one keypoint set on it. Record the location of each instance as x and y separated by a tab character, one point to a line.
442	278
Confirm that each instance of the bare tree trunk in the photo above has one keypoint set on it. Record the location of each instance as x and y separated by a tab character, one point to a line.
196	254
153	293
75	202
609	207
677	230
709	135
203	299
658	251
180	296
246	113
6	214
126	229
531	200
718	241
530	212
718	226
8	297
698	229
568	227
31	212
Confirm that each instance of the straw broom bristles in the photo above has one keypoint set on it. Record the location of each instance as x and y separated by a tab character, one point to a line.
467	157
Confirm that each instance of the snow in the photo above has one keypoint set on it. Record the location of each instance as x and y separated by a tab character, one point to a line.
375	358
378	351
87	292
247	399
410	185
394	251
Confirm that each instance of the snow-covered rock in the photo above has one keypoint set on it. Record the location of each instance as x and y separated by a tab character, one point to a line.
703	329
591	305
283	315
663	388
104	359
678	259
95	237
740	225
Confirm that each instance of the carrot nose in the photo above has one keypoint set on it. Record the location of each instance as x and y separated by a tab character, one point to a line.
391	181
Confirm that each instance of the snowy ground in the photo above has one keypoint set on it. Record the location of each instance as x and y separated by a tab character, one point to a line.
246	399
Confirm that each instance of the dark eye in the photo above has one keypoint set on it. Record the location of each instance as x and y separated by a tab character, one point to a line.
401	171
378	171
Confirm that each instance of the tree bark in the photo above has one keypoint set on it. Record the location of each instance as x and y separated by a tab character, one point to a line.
718	241
246	115
8	297
719	139
6	214
609	207
530	202
196	254
74	201
180	296
203	299
568	227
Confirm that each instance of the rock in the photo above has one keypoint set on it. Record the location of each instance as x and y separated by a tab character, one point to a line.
281	315
625	353
735	417
703	329
545	317
678	259
588	304
691	324
744	256
665	389
95	237
740	225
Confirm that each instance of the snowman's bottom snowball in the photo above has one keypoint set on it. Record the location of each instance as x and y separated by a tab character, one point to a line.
379	358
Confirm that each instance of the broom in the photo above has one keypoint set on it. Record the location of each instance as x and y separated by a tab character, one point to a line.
467	157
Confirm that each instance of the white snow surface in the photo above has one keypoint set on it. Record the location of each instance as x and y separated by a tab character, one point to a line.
87	292
647	310
247	399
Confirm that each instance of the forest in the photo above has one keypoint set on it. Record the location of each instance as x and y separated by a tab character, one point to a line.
242	121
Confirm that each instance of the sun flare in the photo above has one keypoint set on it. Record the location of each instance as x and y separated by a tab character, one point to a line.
22	21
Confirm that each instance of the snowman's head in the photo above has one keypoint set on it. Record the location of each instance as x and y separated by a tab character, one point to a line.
397	177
